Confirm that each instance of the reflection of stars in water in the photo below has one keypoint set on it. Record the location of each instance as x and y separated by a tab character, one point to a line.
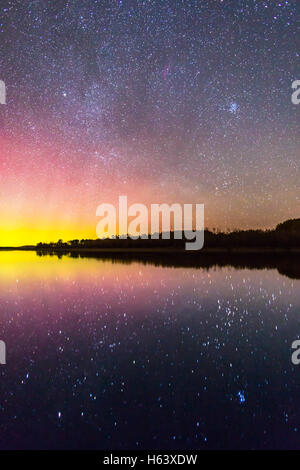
224	322
241	396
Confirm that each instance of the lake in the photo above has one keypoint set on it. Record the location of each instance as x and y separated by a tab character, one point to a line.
109	355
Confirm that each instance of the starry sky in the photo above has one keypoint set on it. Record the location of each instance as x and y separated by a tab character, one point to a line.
163	101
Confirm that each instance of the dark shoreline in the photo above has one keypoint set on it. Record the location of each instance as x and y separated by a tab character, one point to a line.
158	251
286	261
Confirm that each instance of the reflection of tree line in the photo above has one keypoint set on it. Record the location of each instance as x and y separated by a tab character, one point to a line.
285	263
253	249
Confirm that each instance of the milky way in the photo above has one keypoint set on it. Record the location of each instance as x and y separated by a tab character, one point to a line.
164	101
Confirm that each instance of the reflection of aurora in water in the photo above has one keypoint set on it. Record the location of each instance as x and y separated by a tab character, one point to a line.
110	355
286	262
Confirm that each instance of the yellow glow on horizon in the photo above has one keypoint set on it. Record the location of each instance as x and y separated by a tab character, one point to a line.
14	237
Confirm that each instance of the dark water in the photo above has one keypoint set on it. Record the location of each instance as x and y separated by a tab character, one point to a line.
106	355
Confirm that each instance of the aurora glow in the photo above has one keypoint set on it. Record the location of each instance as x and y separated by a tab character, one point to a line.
164	101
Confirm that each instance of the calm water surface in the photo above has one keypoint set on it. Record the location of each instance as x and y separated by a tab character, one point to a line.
132	356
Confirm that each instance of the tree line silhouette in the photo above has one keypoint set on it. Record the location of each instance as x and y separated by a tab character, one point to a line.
285	236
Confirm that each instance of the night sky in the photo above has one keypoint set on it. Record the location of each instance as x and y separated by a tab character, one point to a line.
162	101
